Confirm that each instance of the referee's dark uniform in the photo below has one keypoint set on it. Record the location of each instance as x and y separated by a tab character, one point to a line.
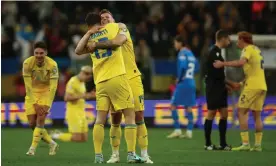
216	96
216	92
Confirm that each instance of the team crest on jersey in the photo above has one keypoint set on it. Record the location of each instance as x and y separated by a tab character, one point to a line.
54	71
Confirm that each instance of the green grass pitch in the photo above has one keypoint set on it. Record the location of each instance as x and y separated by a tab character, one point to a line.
177	152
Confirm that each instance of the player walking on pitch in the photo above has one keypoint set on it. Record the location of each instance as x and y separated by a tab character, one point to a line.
40	75
112	87
134	78
185	92
75	97
254	89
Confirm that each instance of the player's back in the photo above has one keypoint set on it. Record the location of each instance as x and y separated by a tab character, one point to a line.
40	75
187	66
107	63
253	69
129	57
75	87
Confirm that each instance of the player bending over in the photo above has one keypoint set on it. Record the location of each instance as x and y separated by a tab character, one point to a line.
75	97
254	89
40	75
185	92
134	78
112	87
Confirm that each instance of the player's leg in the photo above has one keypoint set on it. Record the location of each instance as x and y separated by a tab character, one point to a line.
77	131
98	135
176	99
32	123
246	100
121	97
142	132
257	109
208	129
103	104
223	129
115	134
190	126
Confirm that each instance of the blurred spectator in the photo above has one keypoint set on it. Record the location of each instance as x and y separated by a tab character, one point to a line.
9	13
57	43
144	62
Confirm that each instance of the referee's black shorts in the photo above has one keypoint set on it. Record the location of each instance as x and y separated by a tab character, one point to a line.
216	94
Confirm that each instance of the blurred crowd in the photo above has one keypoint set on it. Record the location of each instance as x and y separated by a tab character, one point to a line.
153	26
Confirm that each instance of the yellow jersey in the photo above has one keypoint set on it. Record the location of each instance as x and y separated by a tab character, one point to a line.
75	87
253	69
40	75
129	56
107	63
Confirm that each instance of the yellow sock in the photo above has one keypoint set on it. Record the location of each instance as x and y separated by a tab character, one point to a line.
115	137
65	137
47	137
98	138
130	137
37	134
142	134
245	137
258	138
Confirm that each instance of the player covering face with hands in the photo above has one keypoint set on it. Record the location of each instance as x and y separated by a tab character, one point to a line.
75	97
112	87
40	75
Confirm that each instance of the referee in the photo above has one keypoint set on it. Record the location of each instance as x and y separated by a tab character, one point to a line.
216	92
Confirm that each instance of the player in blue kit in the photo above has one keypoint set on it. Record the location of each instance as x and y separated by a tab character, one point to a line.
185	92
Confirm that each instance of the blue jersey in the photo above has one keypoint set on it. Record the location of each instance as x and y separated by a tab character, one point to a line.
187	65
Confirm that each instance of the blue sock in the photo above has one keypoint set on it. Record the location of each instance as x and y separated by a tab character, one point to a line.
190	121
176	124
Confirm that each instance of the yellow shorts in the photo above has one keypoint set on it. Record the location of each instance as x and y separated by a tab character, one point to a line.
115	91
138	93
77	123
252	99
39	98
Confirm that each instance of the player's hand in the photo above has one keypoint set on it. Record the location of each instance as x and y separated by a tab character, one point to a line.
45	109
234	85
229	88
91	46
94	29
218	64
38	109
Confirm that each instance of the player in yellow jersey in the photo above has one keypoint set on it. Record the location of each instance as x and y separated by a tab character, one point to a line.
75	97
254	89
40	75
112	87
124	40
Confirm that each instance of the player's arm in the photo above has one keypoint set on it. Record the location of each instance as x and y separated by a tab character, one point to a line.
237	63
90	95
182	67
82	47
71	97
233	85
53	84
27	80
70	94
118	41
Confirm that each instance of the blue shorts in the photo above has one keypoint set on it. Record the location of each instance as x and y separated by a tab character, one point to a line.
184	95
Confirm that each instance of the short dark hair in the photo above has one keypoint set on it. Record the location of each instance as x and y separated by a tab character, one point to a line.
105	11
92	19
40	44
221	34
180	39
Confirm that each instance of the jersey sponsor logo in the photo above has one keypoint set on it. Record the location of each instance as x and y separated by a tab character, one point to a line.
182	57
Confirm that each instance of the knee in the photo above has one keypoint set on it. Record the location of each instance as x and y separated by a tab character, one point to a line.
116	118
139	116
211	115
85	137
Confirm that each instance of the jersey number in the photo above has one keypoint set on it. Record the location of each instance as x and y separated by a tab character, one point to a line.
190	71
107	53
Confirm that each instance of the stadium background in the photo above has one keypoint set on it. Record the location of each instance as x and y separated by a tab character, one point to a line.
153	26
